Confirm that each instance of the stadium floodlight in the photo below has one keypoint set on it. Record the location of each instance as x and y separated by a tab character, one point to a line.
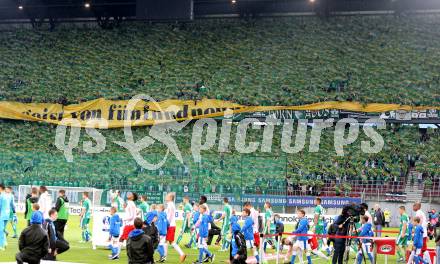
87	5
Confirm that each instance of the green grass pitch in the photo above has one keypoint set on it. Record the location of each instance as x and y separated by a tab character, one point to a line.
83	253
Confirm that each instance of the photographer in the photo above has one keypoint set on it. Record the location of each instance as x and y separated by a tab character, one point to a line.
342	223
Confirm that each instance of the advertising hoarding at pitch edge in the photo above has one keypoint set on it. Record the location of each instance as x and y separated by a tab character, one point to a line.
385	245
276	200
101	223
286	218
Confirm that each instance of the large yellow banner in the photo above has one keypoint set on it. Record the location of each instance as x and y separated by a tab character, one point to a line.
118	113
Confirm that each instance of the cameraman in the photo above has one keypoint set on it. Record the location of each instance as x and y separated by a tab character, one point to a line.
342	224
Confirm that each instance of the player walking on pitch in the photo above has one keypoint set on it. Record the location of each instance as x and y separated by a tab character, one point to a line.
12	214
85	218
130	215
318	223
248	231
226	217
365	231
187	222
402	239
301	244
254	215
144	207
171	216
269	224
6	201
162	226
194	230
417	250
117	200
423	223
203	226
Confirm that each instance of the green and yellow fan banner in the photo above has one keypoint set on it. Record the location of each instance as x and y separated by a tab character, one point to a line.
118	113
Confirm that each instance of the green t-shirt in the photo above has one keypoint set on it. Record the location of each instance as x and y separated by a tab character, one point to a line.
228	211
320	211
404	220
116	201
187	210
268	217
63	213
120	204
145	207
11	215
29	209
86	206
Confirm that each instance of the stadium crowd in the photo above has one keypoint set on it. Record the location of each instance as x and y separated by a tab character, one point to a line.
226	59
366	59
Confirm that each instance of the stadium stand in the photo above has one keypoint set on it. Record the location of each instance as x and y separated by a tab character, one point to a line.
277	173
232	60
344	59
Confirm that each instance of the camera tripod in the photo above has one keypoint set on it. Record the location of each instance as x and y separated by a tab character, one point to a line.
352	231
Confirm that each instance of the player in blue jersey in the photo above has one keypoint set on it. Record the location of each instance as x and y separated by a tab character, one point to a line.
114	233
248	232
418	241
365	231
203	226
6	205
162	227
301	240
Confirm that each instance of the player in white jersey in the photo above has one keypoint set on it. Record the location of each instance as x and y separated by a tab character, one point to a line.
130	209
171	216
130	215
417	208
367	213
45	201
